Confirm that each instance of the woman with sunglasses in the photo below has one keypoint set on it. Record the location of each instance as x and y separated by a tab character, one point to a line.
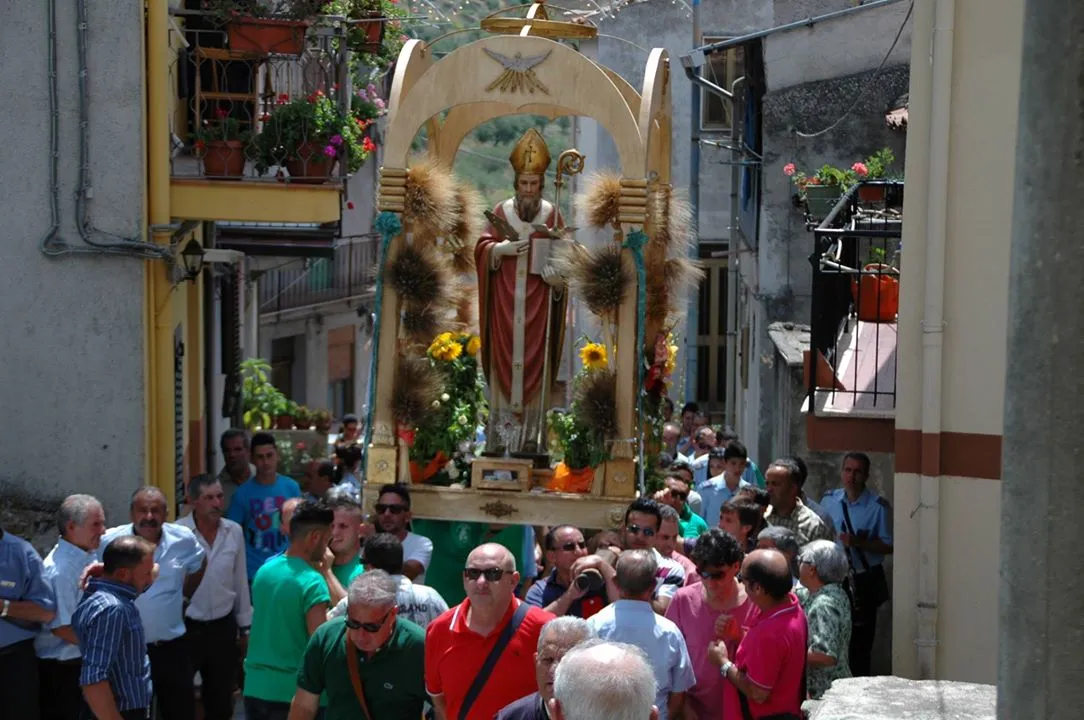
716	608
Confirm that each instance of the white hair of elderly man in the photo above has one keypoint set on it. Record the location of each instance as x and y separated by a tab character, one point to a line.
600	680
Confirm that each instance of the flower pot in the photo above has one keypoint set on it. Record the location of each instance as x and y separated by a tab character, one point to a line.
420	473
224	159
368	37
567	480
872	194
820	199
876	296
309	165
264	36
284	422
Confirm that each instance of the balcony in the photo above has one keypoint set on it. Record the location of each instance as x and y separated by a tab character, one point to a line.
320	284
245	149
851	364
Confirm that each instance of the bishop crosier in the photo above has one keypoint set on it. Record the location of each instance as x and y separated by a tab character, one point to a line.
519	295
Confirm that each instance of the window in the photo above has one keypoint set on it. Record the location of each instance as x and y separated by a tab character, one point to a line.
721	68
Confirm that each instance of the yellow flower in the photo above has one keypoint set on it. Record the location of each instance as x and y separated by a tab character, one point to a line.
593	356
474	345
671	359
448	351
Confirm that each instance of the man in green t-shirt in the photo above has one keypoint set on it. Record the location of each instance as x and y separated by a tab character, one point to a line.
676	496
453	541
345	534
384	651
290	601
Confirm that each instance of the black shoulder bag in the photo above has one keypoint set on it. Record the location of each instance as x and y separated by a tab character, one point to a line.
870	587
491	660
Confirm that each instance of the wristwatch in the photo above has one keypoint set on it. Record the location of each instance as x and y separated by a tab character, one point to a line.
7	606
725	668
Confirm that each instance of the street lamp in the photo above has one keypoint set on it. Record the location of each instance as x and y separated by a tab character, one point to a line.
192	259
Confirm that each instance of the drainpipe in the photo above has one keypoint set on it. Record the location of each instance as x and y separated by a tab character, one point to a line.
692	318
157	316
737	140
933	324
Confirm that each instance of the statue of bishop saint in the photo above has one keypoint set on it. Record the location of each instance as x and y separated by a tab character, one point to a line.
521	301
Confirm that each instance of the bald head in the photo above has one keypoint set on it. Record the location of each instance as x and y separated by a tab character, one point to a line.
495	554
636	574
768	571
604	681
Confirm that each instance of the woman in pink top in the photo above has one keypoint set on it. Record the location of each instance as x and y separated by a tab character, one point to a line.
717	608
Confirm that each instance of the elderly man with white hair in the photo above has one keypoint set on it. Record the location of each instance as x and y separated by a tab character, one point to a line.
604	681
557	638
823	567
370	649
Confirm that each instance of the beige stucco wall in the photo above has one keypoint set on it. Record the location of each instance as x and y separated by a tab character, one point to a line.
985	91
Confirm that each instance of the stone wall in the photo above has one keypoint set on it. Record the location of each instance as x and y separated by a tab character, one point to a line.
893	698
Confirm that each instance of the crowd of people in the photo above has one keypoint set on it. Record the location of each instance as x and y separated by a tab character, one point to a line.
727	594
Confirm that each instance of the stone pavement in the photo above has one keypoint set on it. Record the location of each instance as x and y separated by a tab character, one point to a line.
893	698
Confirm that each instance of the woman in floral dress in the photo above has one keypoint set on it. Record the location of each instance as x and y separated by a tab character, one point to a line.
822	569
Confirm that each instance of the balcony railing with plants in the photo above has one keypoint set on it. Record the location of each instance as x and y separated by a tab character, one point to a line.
273	91
855	300
349	274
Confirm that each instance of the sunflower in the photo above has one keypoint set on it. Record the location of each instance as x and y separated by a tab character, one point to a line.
593	356
671	359
447	351
474	345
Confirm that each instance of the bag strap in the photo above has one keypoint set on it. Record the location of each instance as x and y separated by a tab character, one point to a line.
355	676
850	529
491	660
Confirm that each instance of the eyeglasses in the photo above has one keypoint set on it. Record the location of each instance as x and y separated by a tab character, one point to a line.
679	495
710	575
367	627
493	574
393	509
570	546
636	530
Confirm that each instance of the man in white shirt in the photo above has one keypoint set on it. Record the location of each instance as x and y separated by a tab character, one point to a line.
392	516
632	620
643	518
219	615
418	603
82	523
181	561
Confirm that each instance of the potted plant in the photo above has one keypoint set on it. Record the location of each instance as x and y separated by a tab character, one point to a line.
876	290
220	144
302	418
321	421
284	417
580	433
374	28
821	191
874	168
260	400
309	137
263	27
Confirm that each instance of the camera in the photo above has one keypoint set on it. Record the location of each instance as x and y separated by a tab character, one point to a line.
590	580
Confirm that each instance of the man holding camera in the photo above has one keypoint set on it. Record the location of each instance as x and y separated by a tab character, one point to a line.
580	584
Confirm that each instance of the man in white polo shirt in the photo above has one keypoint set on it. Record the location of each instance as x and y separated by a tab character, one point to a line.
181	563
393	516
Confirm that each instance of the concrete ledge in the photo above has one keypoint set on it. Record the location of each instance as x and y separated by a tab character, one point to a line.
893	698
252	201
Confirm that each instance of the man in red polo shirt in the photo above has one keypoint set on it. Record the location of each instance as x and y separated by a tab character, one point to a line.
459	642
768	671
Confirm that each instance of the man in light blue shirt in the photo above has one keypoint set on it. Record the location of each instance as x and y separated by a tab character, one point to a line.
257	505
181	562
26	601
721	486
81	521
632	620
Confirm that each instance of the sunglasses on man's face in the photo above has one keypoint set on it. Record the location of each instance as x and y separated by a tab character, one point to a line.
381	508
570	546
718	575
637	530
679	495
493	574
367	627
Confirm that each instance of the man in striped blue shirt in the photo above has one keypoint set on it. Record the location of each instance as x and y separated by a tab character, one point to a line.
116	673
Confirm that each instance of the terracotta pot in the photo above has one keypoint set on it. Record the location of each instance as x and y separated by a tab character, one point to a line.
224	159
309	165
565	479
871	193
877	296
263	36
420	473
370	35
284	422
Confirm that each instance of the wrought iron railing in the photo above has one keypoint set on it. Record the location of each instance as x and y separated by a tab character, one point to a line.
855	300
285	115
349	274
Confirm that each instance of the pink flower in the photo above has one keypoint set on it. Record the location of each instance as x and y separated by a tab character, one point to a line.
336	140
789	169
349	205
330	151
379	104
860	169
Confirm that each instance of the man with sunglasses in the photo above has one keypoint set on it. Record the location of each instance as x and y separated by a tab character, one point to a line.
642	521
676	495
371	649
392	515
563	592
472	667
